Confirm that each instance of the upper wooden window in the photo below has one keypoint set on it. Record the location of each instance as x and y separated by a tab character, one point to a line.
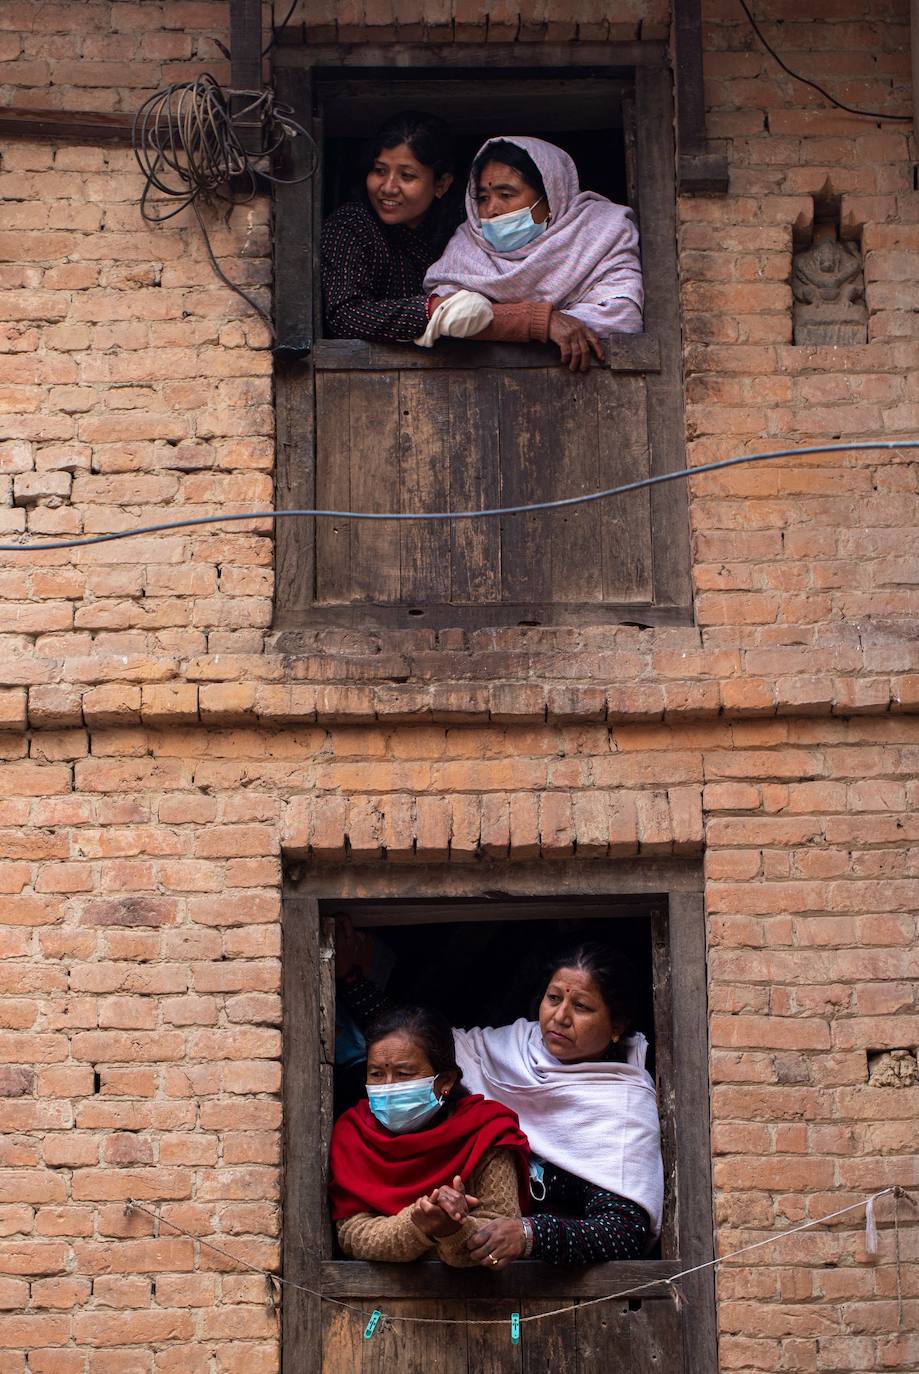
376	427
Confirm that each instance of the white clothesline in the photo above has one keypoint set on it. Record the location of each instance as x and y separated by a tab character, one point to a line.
273	1280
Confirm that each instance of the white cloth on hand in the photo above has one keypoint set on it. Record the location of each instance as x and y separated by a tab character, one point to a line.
598	1120
458	316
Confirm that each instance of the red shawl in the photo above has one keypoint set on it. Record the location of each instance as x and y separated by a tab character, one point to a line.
372	1170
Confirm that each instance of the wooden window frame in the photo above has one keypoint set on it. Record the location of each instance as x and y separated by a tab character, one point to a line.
657	352
673	889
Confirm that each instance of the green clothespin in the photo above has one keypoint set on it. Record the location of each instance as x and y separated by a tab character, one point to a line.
372	1325
515	1328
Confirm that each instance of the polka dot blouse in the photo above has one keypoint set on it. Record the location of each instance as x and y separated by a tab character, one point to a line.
578	1223
372	275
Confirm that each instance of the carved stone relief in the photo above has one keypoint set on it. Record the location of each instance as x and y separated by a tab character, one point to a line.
828	285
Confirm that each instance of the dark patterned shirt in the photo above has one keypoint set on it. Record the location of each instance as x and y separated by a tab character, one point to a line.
372	275
578	1223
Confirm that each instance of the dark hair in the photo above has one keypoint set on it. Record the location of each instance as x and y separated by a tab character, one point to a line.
430	1031
427	135
518	158
614	975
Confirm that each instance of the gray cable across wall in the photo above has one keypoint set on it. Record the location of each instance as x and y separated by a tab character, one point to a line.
495	512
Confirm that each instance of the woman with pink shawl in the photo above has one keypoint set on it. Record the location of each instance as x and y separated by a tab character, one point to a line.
557	263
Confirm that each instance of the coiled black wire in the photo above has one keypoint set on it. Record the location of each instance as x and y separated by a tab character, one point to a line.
187	144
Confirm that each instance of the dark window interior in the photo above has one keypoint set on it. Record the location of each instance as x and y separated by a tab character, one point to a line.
489	973
582	114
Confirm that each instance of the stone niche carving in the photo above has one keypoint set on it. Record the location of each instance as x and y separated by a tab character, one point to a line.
828	285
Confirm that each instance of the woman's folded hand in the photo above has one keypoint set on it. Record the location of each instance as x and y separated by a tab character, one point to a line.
575	341
432	1220
498	1242
442	1212
454	1200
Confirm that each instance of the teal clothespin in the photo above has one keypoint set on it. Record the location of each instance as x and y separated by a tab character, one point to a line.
372	1325
515	1328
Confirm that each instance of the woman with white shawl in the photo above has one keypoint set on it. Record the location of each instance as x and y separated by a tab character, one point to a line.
577	1081
555	262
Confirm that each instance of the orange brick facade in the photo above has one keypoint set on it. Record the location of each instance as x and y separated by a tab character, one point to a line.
161	758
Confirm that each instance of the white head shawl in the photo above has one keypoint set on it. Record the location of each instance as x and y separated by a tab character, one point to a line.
598	1120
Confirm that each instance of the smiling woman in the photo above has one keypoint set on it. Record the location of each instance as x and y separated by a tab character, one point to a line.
376	248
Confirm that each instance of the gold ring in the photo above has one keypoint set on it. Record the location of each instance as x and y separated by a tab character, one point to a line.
492	1258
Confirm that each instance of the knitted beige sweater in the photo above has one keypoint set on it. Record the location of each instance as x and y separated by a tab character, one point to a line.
368	1236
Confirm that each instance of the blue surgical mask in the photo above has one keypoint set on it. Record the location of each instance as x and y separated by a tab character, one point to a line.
402	1107
514	230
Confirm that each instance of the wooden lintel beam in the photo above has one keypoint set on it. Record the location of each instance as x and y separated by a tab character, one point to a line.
246	44
74	126
699	167
246	64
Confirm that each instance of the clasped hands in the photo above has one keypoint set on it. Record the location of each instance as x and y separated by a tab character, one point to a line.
441	1213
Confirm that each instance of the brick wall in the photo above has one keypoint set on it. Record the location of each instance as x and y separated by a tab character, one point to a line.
140	1006
158	750
105	54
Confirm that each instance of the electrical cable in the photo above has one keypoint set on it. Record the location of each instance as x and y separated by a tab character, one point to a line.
277	28
806	81
488	513
186	142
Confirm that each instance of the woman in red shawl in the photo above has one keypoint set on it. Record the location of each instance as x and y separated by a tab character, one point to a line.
421	1164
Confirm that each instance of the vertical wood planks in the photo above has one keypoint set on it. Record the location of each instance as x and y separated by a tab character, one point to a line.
605	1339
342	1338
625	520
574	551
305	1214
490	1347
374	464
657	199
429	439
657	1339
549	1346
475	484
528	451
295	484
326	1047
666	1076
692	1106
424	439
410	1349
333	486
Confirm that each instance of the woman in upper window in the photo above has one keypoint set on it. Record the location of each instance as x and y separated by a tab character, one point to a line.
376	249
577	1082
557	263
422	1164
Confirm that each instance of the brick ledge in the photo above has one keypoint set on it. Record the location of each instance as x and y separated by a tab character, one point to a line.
464	827
625	678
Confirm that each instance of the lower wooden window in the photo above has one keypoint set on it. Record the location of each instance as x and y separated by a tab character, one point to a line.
663	932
